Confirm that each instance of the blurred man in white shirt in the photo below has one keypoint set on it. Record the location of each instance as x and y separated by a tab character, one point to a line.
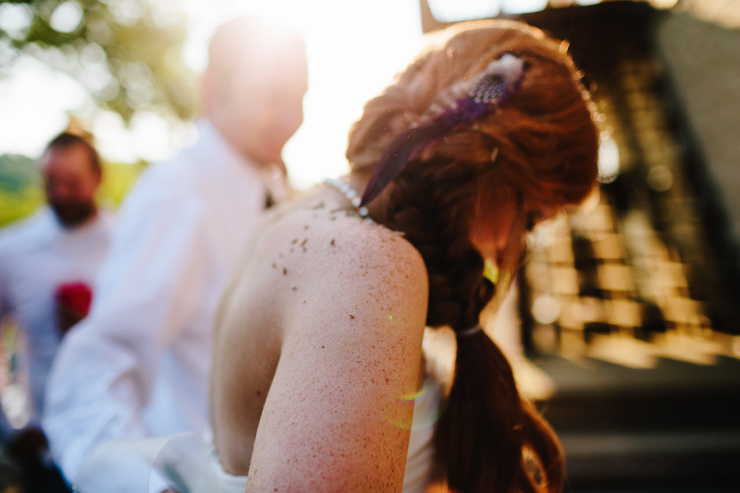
139	365
48	263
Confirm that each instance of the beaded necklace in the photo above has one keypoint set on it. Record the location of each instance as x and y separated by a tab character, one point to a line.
352	196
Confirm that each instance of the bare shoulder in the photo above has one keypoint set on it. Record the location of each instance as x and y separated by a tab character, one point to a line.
320	245
332	254
353	300
316	249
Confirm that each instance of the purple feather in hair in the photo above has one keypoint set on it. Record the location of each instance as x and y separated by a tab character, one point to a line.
489	89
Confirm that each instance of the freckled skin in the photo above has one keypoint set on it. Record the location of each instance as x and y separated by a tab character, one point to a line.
307	382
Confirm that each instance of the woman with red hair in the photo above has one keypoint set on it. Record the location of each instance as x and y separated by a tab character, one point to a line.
319	342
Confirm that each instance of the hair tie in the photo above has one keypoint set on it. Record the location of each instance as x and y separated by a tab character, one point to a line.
469	332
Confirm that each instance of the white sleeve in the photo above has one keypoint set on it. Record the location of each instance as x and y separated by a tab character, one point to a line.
147	290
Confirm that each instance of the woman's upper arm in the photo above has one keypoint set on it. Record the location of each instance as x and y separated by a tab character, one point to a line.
337	417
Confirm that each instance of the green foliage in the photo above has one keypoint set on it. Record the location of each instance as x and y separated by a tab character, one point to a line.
17	205
126	53
21	190
16	172
118	178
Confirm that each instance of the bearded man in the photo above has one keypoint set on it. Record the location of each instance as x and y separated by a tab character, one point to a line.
47	266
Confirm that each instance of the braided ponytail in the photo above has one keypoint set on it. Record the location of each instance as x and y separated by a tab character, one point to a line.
541	145
480	438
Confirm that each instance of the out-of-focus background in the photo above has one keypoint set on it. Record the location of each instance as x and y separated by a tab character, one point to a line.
128	70
628	311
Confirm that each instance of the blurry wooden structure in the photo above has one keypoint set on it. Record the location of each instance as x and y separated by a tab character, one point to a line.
633	306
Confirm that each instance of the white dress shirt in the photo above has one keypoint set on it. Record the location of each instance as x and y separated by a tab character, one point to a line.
139	364
36	256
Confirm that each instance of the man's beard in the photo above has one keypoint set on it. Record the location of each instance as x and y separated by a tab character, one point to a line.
72	214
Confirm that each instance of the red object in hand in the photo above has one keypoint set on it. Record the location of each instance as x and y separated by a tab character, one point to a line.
73	301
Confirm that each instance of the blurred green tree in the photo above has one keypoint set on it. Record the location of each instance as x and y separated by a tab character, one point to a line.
126	53
20	188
